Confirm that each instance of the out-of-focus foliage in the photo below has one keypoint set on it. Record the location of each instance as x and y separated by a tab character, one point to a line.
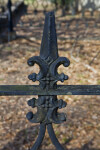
29	1
62	3
59	3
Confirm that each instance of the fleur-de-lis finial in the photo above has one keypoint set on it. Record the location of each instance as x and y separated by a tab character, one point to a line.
49	61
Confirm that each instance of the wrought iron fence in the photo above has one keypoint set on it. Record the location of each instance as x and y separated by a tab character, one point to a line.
47	103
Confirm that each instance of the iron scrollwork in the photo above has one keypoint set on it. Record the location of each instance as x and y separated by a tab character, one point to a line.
47	106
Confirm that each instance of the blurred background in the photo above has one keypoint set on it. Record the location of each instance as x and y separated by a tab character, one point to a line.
78	34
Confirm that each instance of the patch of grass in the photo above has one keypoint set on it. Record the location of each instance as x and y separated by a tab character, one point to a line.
75	99
80	75
98	81
8	48
81	81
57	133
1	79
66	140
29	2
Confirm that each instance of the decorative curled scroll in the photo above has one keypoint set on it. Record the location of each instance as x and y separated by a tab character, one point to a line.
43	68
47	107
48	61
54	66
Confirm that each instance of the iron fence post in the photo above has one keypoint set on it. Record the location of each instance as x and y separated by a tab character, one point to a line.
10	19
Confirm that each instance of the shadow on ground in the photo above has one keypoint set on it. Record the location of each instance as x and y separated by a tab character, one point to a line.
26	137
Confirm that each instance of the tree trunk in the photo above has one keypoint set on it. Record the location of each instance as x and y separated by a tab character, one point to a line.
76	5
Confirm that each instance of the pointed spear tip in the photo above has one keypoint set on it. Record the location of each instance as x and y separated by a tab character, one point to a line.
49	48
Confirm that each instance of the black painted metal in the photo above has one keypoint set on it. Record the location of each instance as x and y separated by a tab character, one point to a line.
53	137
47	103
49	61
10	90
10	21
40	137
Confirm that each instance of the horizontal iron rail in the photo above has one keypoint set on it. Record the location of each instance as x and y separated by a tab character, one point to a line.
80	39
14	90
